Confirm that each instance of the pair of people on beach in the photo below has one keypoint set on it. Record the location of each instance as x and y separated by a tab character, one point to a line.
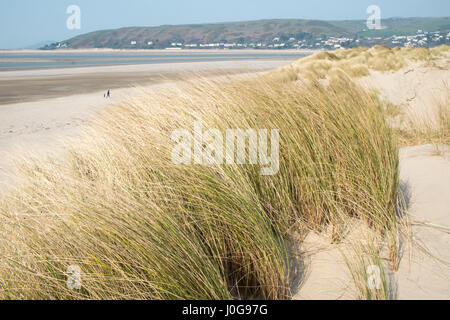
107	94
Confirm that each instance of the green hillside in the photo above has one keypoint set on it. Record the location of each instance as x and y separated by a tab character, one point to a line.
263	31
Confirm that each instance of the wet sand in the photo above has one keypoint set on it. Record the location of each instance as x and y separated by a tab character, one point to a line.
39	109
35	85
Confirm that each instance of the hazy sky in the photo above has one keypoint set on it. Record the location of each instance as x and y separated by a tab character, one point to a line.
26	22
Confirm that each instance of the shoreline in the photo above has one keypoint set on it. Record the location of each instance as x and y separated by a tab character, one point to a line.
34	85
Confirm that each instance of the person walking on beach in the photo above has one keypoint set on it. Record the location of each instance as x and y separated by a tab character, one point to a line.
108	94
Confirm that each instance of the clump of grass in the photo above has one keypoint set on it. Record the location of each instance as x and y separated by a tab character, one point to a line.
141	227
354	70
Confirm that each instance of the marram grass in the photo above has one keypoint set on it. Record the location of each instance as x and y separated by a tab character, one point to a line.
141	227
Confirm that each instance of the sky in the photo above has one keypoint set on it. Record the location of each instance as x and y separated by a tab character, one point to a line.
27	22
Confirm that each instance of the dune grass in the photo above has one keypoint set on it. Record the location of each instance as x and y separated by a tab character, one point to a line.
429	128
358	62
141	227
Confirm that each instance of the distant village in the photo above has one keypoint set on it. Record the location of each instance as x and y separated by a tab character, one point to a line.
308	41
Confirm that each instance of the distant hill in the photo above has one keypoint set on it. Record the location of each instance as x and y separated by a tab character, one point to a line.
262	31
